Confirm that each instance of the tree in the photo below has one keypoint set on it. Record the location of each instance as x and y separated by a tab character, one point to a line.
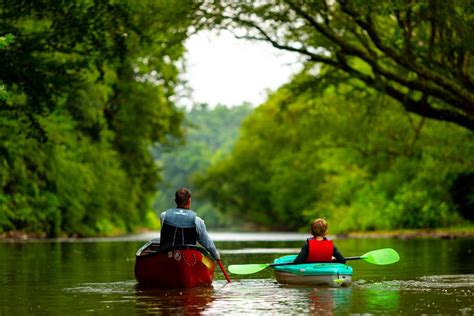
354	157
4	42
91	86
417	52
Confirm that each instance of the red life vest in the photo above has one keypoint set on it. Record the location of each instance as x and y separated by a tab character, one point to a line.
319	250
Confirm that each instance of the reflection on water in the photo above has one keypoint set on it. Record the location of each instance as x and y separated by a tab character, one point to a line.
259	296
324	301
379	296
182	302
267	297
96	277
452	294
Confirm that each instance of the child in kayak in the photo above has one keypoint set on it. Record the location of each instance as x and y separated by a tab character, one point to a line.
319	248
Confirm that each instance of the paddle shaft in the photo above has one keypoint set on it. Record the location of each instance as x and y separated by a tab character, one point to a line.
363	257
347	259
281	264
379	257
223	270
289	263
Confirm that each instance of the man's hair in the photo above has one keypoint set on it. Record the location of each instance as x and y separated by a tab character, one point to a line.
319	227
182	196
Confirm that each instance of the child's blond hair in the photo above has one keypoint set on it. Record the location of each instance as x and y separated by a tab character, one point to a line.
319	227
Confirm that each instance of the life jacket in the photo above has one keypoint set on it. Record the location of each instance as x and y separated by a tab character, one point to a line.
319	250
179	228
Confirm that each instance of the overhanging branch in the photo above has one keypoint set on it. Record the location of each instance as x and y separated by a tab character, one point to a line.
421	70
421	107
371	59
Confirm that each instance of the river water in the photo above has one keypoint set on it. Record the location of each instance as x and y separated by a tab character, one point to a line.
95	277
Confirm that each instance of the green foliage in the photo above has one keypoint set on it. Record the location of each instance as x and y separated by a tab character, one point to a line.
90	85
353	156
4	42
418	53
3	93
87	89
209	136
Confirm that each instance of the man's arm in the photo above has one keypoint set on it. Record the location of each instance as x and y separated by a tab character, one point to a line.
204	239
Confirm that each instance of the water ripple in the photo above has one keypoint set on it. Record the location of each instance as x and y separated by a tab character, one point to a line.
462	282
123	287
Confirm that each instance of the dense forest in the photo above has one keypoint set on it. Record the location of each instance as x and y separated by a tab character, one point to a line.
376	132
89	87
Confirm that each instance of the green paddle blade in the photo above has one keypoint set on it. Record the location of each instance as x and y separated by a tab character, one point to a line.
247	268
381	256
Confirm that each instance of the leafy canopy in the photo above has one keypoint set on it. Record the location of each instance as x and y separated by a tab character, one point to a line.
90	86
418	53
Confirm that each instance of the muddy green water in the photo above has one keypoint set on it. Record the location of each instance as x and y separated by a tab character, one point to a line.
95	277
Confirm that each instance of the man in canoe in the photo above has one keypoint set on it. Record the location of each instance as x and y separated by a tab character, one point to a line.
181	225
319	248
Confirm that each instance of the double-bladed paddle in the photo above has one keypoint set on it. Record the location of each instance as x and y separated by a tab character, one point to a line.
379	257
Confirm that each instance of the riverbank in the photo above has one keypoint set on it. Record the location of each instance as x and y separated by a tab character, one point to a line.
443	233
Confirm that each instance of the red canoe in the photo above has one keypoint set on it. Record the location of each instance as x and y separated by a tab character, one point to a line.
183	266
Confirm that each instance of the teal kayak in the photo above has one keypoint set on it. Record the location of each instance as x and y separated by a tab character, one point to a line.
326	274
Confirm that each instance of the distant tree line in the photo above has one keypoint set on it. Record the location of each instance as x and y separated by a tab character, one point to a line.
209	136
